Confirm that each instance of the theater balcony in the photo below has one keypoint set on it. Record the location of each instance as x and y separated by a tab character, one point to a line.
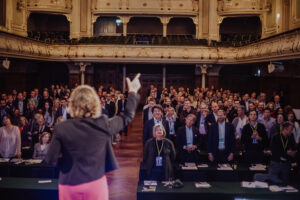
49	6
152	7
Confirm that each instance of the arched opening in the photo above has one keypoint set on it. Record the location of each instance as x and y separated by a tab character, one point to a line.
181	26
47	27
145	25
240	30
108	26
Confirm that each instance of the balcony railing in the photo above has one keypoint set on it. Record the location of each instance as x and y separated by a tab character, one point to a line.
59	6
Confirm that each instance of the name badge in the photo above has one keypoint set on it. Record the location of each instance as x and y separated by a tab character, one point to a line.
254	141
158	161
202	125
283	159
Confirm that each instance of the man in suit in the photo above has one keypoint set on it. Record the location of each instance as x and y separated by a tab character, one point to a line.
62	110
221	140
121	108
157	111
254	139
110	106
245	101
202	126
212	118
20	103
188	140
187	109
147	113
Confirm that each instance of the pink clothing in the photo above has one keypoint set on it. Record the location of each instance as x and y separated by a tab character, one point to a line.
94	190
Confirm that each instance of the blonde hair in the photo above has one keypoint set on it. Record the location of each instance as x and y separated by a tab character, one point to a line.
84	103
162	128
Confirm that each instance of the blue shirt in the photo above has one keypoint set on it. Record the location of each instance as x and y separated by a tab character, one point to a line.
221	127
189	136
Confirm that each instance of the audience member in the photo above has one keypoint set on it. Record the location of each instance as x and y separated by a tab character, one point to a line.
41	148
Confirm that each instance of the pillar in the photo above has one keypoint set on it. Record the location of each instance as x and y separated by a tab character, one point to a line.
125	20
165	21
124	78
164	77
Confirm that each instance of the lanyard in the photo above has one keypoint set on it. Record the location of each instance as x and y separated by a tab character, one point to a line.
253	129
286	143
280	129
162	145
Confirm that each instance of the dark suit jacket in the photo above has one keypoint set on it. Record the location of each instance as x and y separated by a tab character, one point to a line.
198	122
145	115
213	139
120	106
247	140
111	108
148	129
85	145
60	113
16	105
181	137
210	118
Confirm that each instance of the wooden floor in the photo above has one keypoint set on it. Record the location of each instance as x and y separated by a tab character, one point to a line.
123	182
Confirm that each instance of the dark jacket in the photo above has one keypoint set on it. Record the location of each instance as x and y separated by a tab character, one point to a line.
247	141
198	120
169	155
120	107
213	139
145	115
111	108
85	145
210	119
148	129
60	113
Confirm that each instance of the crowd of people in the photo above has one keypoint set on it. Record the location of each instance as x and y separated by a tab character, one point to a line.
27	121
181	124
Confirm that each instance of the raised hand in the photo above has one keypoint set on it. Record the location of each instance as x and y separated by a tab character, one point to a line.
135	84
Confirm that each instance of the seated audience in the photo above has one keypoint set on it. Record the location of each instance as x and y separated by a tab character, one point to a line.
254	139
221	140
41	148
283	149
159	155
188	141
10	139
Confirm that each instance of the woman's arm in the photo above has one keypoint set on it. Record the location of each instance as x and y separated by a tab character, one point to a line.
117	123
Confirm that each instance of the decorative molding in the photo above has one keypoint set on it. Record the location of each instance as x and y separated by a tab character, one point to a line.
282	47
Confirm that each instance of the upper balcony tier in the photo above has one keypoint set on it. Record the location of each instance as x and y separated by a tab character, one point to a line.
151	7
55	6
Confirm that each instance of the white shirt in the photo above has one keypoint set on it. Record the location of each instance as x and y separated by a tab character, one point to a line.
240	125
10	143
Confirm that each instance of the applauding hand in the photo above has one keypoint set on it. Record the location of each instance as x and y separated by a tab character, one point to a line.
134	85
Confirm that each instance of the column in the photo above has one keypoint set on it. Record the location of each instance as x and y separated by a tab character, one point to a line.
213	21
125	20
82	71
164	76
203	72
75	20
165	21
213	75
124	78
196	22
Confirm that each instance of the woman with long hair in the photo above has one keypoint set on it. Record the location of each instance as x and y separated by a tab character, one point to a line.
84	143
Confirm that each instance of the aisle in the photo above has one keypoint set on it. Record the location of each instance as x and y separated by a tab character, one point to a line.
123	182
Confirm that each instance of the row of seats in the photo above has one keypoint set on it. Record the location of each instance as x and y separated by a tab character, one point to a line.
143	39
